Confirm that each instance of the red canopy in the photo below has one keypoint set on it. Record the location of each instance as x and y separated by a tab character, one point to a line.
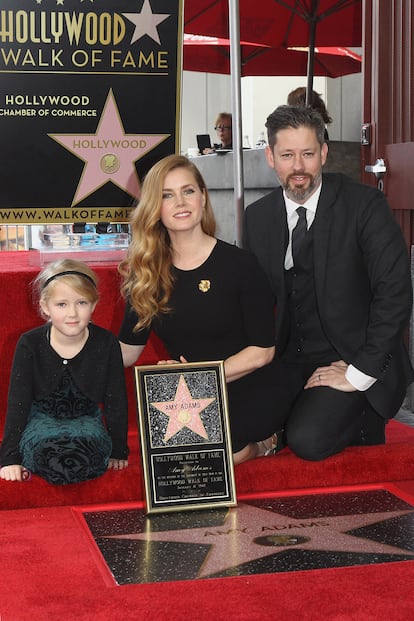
280	22
212	55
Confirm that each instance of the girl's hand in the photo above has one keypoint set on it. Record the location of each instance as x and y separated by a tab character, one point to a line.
117	464
13	473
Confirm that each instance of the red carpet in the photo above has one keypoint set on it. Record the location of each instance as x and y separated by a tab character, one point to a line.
50	573
355	465
393	462
48	565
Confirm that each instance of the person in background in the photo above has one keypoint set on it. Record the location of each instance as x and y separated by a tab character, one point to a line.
298	98
223	127
206	299
63	373
338	265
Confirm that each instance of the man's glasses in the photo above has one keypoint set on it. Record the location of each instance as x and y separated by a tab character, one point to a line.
222	127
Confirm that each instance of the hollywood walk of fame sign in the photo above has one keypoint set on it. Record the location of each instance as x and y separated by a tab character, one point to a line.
89	101
184	436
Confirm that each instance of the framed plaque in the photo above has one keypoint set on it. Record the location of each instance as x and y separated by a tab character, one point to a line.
185	436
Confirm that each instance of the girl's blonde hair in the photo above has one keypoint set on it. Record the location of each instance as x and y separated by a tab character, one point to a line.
75	274
147	275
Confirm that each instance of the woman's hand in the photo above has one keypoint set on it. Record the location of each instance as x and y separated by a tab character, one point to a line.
117	464
182	359
332	376
13	473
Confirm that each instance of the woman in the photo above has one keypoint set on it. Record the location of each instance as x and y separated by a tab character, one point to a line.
298	98
206	299
223	127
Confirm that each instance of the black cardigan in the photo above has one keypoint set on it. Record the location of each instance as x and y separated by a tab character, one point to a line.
97	371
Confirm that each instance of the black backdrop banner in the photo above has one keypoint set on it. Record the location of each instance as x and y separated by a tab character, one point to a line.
89	101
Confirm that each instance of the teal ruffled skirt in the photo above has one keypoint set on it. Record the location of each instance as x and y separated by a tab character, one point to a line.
65	440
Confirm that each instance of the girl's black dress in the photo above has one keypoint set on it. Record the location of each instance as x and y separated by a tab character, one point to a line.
66	418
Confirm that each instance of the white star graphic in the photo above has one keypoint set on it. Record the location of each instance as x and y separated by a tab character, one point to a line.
146	23
250	533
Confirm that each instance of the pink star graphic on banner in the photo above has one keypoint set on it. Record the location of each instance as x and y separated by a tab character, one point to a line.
184	411
109	154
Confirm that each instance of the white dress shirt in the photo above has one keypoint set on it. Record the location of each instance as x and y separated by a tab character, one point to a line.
292	218
359	380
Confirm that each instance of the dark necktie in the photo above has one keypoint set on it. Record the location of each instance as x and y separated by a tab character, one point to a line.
299	231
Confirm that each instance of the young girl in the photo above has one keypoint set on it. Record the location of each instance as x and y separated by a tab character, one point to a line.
63	373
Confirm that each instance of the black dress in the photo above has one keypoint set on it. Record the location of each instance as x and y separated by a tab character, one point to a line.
219	309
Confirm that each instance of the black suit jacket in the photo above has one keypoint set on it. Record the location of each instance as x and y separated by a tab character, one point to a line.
362	279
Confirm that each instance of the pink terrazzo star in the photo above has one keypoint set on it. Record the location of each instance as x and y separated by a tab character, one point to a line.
250	533
184	411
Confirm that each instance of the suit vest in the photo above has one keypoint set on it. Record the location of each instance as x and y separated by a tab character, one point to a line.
307	341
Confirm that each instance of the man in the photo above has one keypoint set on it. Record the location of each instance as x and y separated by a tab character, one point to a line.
343	293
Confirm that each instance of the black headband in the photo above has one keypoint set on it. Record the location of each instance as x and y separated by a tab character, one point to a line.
68	273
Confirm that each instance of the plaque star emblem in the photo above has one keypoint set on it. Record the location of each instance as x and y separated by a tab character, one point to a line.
146	23
183	411
109	154
249	533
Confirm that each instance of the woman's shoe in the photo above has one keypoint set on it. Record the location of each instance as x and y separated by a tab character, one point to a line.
267	447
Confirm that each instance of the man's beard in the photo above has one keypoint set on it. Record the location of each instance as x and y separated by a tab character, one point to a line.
301	194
